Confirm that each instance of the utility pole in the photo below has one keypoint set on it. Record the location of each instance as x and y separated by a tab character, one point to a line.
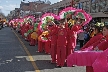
0	11
72	2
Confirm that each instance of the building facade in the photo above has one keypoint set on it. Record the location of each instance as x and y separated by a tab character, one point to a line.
81	4
32	7
96	8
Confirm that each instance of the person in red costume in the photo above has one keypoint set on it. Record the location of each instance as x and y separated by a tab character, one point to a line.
48	43
23	30
94	39
71	41
40	43
27	38
61	44
103	45
26	29
53	33
30	28
101	64
34	37
72	32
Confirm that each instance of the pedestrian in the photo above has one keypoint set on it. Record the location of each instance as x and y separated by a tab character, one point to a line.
86	37
81	38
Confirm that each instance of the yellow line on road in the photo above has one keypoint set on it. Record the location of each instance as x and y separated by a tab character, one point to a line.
29	55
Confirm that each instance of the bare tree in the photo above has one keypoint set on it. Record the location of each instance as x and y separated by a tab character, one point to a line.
2	15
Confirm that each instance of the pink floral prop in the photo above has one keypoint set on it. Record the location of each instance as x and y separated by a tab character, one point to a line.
44	19
76	13
44	39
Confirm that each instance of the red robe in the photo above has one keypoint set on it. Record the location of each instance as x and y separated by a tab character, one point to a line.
23	30
48	43
40	43
61	46
103	45
53	33
93	40
26	29
71	38
29	36
71	41
100	43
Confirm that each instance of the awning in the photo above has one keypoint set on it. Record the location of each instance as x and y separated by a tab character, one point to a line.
99	14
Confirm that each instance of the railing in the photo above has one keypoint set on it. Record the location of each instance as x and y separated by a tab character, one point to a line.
105	11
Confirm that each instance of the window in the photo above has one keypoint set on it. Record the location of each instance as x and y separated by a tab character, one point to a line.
80	5
93	1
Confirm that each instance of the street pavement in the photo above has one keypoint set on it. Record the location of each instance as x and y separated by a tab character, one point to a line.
17	56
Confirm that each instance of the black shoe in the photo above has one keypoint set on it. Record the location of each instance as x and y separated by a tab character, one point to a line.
30	45
53	62
73	66
58	66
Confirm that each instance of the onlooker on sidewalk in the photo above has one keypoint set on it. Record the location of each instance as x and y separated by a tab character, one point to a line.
86	37
81	38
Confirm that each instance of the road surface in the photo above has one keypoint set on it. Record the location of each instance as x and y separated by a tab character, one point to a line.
17	56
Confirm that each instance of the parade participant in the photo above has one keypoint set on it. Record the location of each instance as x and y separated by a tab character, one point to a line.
26	29
11	25
53	33
94	39
45	19
45	40
40	46
34	37
72	36
23	30
61	44
101	44
36	29
40	43
104	44
30	30
48	43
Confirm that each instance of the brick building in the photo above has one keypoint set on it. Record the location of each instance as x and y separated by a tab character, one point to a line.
32	7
